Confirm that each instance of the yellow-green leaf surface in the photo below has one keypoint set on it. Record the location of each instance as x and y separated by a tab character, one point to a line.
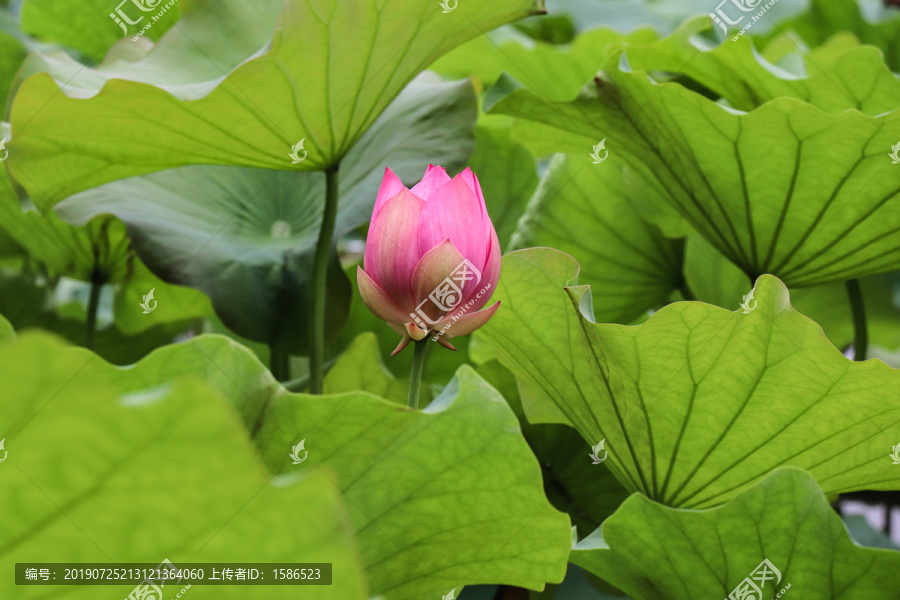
698	402
653	552
879	26
253	117
108	466
440	498
589	211
786	188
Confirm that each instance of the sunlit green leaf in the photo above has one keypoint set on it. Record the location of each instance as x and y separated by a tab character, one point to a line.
698	402
588	211
652	551
786	189
290	92
106	465
441	498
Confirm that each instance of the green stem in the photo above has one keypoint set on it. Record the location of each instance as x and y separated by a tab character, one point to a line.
320	279
860	331
279	364
93	306
415	378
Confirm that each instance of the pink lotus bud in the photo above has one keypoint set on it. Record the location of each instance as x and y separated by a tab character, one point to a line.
432	257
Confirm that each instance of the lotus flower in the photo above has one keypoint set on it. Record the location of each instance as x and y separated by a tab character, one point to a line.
432	257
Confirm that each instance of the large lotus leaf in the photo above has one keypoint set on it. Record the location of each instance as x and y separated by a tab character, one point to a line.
259	111
574	484
87	26
246	237
212	38
783	189
453	492
556	72
698	402
105	465
625	15
713	279
439	498
827	17
585	210
854	77
653	552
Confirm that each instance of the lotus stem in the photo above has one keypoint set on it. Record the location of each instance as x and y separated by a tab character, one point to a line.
320	280
860	330
415	378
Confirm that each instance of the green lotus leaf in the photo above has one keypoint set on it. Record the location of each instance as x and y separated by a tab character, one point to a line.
784	189
827	17
654	552
574	484
212	38
246	237
713	279
443	498
440	498
259	113
106	465
587	210
698	402
854	77
87	26
556	72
